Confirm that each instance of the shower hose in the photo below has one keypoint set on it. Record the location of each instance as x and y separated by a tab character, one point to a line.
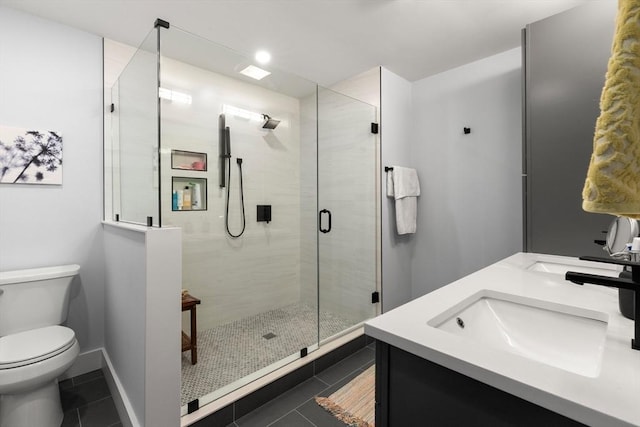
239	161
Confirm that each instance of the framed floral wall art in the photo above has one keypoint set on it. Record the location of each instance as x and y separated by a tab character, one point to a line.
30	156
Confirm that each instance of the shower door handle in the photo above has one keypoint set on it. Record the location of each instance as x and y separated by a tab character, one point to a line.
324	230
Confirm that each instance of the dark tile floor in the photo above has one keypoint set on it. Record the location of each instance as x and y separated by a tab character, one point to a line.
297	407
86	402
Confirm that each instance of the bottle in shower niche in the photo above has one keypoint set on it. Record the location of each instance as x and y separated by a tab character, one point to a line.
196	197
186	199
180	192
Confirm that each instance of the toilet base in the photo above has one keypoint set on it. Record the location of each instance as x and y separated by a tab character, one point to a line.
35	408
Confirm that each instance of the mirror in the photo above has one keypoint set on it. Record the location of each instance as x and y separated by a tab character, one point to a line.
622	230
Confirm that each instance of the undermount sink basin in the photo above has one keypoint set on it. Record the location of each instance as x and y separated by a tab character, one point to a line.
563	336
560	268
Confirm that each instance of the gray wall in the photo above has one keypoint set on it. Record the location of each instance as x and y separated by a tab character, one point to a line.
470	208
143	280
51	79
396	139
125	297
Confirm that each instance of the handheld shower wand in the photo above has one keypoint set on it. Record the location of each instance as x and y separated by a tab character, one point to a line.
227	155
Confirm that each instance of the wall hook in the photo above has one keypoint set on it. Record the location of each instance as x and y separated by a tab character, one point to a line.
467	131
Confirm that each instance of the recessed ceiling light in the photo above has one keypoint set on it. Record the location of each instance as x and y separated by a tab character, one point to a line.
263	57
255	72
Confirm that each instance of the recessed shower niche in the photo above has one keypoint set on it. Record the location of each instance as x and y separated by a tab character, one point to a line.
285	142
188	160
188	193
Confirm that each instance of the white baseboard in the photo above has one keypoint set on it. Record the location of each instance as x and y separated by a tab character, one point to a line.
119	395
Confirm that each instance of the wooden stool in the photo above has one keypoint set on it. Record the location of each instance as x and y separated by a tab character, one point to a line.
190	342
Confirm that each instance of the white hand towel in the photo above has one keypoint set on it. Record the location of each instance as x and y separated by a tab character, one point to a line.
390	184
405	188
405	182
406	214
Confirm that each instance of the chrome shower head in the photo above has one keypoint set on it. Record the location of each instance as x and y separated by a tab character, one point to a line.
269	123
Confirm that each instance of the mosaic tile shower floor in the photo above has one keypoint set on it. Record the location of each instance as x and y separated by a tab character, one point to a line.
232	351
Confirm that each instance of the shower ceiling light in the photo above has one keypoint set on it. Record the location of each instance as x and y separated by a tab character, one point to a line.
255	72
172	95
263	57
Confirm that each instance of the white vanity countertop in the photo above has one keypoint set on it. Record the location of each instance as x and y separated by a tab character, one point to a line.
612	398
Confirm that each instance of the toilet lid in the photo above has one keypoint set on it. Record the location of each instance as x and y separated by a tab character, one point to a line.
32	346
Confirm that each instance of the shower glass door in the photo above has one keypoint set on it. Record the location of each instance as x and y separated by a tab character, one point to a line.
254	276
279	220
347	219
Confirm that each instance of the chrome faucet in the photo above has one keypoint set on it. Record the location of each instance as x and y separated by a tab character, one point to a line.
632	284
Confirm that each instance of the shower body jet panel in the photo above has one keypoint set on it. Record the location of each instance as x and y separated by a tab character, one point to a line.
222	150
227	139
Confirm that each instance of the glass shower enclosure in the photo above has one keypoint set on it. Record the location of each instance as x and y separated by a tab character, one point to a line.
273	183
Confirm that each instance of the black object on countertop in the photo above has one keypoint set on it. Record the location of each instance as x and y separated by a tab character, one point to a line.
631	284
625	299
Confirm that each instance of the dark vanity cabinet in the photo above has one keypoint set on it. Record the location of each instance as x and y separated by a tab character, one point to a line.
411	391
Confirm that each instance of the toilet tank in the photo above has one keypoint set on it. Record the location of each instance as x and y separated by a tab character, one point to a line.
34	298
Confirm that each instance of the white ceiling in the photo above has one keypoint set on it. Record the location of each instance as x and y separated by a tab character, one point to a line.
322	40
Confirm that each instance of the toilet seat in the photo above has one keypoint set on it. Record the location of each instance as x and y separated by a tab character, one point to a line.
25	348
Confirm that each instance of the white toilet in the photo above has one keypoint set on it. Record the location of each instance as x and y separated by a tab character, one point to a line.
34	348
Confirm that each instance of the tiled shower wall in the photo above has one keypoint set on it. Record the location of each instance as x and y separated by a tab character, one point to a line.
260	270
